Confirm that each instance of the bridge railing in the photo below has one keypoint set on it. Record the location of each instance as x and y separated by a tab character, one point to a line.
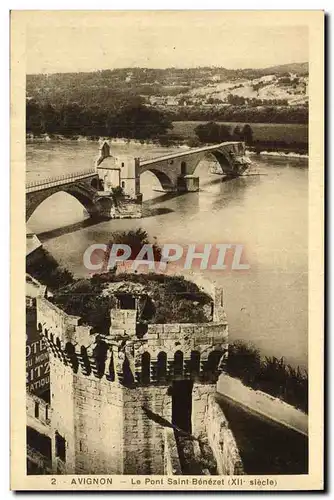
58	181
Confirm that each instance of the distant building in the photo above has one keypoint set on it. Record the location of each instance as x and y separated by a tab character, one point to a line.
216	78
172	101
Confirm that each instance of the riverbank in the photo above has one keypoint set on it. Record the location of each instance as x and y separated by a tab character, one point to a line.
279	154
287	132
184	144
57	138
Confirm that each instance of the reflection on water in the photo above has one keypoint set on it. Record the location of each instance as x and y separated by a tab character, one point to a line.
267	213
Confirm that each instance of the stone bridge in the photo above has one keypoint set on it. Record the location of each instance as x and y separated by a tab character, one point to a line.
176	171
81	185
95	188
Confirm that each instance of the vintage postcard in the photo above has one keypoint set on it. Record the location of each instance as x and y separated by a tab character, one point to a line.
167	183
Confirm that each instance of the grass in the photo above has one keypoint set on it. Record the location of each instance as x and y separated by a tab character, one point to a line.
288	133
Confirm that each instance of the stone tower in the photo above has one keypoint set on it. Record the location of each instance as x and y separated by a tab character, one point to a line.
121	172
119	401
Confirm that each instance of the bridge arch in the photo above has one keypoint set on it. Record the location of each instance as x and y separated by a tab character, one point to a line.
165	181
35	199
221	158
104	204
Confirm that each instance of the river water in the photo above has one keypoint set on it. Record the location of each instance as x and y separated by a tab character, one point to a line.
266	213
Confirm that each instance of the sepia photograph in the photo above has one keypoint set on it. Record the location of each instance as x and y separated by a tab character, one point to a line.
166	161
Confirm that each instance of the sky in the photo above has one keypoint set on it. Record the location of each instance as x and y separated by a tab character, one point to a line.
173	39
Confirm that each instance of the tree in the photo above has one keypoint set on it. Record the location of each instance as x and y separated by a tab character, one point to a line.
135	239
33	117
237	134
244	362
70	119
212	133
208	132
138	122
247	134
83	298
46	269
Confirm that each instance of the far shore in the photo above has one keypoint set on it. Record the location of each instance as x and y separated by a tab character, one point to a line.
263	151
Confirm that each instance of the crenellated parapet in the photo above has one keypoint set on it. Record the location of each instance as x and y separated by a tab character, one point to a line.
133	387
137	354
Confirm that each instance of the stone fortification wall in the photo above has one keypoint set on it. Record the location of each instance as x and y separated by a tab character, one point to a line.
104	425
163	352
102	385
221	440
172	464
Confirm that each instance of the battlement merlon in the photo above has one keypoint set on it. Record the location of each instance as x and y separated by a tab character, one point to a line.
183	349
53	321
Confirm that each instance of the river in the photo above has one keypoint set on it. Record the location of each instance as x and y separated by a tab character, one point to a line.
266	213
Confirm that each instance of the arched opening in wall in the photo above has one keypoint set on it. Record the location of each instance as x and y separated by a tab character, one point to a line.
178	364
36	412
183	168
97	184
182	404
141	330
58	344
145	368
105	206
85	360
210	168
39	442
212	364
51	336
100	355
195	362
67	208
126	301
153	183
71	356
111	375
162	367
128	377
60	446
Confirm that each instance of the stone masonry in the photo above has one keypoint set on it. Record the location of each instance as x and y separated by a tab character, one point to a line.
109	393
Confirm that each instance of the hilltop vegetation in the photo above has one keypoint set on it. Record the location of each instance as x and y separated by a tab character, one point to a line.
161	299
114	88
141	103
132	121
167	299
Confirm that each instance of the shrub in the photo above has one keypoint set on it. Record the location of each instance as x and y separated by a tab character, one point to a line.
213	132
83	298
172	299
135	239
271	375
244	362
44	268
